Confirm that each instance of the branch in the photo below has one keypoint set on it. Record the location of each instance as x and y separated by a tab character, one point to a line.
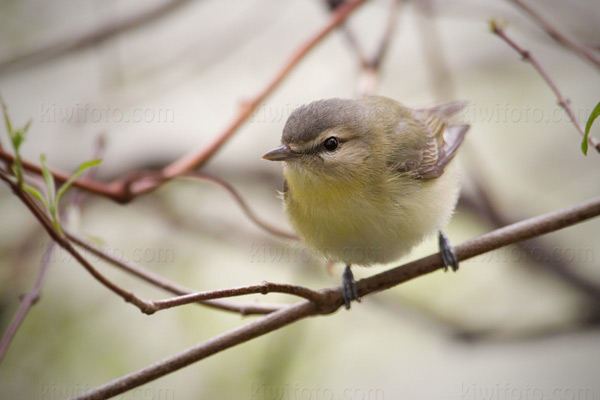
197	159
149	306
32	297
527	56
370	66
172	287
60	48
125	189
242	203
555	34
331	299
28	300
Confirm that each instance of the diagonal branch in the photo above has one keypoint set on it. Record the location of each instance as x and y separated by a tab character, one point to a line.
197	159
331	299
172	287
527	56
242	203
150	306
28	300
555	34
126	188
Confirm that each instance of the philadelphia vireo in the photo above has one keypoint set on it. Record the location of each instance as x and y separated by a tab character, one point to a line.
366	180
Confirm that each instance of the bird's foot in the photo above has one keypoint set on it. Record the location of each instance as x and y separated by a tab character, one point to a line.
349	291
448	253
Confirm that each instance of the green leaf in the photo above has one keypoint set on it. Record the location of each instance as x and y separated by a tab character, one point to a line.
595	113
36	193
73	177
50	186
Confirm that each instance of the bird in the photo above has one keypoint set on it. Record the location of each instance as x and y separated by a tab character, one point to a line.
366	180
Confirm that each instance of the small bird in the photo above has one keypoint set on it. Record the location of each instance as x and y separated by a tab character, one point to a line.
366	180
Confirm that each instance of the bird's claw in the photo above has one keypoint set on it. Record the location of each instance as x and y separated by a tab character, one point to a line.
349	291
448	254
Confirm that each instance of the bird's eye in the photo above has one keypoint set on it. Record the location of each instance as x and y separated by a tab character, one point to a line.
331	144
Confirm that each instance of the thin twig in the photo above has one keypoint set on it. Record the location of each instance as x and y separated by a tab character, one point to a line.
262	288
92	38
42	218
527	56
147	306
242	203
172	287
555	34
197	159
29	299
370	66
331	299
32	297
126	188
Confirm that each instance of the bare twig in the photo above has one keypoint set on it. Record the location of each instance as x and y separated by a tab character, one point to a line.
242	203
92	38
527	56
555	34
370	66
331	299
172	287
147	306
32	297
29	299
197	159
262	288
126	188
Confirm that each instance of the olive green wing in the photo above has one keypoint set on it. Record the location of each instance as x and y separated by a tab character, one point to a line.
435	142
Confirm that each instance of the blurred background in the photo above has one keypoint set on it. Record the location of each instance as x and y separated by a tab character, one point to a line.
519	323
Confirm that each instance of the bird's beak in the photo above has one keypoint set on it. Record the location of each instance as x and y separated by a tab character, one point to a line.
282	153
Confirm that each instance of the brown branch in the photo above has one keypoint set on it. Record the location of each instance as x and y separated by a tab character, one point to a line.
262	288
32	297
555	34
62	47
197	159
331	299
165	284
125	189
527	56
242	203
65	244
370	66
148	306
28	300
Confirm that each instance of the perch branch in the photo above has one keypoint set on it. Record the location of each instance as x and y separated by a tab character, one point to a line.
331	299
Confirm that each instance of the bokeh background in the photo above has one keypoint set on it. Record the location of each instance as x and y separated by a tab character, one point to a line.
518	323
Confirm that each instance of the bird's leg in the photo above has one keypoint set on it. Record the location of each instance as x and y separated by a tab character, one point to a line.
448	253
349	291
